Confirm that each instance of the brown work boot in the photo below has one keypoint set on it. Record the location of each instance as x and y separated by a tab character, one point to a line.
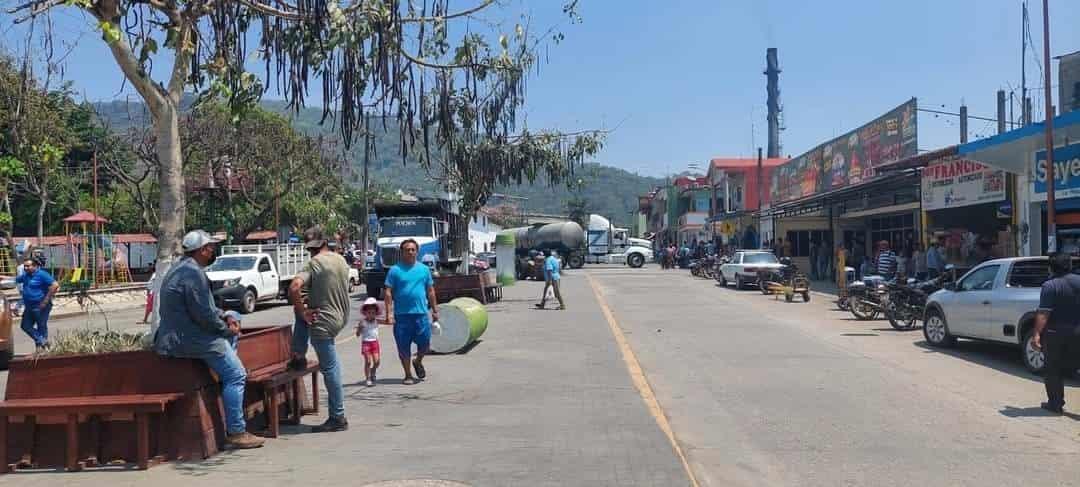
243	441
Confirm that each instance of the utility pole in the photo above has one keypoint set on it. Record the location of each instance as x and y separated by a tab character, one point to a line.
1001	111
760	182
1051	218
963	124
1025	108
367	160
97	215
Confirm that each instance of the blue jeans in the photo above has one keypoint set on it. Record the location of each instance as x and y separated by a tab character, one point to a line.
326	350
232	375
35	322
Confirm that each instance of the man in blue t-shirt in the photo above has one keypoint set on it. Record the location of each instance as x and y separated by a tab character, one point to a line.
409	295
551	280
38	289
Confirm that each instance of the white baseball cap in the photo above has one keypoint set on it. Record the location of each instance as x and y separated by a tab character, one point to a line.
197	239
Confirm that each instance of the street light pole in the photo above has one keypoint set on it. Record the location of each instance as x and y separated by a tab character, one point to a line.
1051	217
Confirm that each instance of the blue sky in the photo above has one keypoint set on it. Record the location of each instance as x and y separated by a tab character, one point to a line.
681	81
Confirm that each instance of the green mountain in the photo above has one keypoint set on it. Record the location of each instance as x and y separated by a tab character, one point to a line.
608	191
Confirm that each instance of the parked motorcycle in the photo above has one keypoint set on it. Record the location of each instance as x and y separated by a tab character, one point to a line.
786	278
866	298
696	267
907	301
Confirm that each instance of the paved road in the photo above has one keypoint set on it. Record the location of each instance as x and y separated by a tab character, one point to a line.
754	392
763	392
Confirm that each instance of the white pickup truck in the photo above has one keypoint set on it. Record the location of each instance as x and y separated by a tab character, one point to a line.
246	274
995	301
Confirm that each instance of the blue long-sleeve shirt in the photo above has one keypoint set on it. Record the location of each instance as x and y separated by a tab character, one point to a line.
934	259
191	325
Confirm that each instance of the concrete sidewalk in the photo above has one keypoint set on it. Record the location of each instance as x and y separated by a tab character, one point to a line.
543	399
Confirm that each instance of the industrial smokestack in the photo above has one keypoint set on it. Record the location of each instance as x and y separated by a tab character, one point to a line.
772	74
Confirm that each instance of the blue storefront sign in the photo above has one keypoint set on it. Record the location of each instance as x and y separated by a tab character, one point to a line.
1066	173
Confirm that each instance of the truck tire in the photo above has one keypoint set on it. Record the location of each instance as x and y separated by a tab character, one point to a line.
5	358
247	304
575	261
635	260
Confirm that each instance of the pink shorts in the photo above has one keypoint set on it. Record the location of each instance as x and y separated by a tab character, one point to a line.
369	348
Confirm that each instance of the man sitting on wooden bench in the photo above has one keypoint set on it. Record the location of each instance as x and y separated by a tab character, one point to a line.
192	326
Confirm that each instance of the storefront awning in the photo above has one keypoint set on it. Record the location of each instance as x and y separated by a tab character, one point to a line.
1012	150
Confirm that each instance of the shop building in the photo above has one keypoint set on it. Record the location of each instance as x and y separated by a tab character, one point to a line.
734	184
848	191
1022	152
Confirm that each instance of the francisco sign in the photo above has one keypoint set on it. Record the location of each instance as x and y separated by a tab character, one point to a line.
955	182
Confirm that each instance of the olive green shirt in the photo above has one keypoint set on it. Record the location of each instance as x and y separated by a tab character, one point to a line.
326	280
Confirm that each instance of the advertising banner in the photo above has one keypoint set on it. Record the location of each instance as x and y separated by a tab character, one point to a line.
954	182
851	158
1066	173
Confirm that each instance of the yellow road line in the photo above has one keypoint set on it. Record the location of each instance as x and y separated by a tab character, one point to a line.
637	376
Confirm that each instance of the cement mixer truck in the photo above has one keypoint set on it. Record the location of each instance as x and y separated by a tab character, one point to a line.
602	244
568	239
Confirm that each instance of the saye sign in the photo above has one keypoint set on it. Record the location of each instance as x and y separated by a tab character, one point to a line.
1066	173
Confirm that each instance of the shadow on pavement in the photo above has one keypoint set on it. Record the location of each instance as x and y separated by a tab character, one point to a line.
1034	412
1000	357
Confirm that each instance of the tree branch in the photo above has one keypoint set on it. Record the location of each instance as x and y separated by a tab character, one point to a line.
129	65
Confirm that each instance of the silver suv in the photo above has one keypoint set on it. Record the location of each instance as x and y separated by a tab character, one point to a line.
995	301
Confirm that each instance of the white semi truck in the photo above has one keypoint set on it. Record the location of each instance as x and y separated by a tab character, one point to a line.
608	244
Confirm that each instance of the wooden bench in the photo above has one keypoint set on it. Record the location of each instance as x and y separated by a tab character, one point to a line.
278	378
141	405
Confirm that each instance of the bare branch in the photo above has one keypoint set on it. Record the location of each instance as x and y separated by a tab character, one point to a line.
37	7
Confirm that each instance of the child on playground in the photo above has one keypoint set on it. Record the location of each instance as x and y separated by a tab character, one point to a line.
368	331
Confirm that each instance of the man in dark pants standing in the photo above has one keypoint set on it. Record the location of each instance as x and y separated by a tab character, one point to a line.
1056	327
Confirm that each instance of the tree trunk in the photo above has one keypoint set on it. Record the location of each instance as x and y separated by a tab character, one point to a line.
44	199
173	205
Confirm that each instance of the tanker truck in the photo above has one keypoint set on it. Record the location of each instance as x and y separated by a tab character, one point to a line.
568	239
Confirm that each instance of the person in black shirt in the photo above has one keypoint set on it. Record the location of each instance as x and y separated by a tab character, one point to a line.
1056	326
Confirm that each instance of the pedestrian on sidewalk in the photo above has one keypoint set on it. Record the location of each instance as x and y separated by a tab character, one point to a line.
935	261
192	326
918	257
368	331
38	289
410	294
149	308
813	259
886	261
551	281
1057	325
324	313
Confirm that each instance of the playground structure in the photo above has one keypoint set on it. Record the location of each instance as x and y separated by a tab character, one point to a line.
85	256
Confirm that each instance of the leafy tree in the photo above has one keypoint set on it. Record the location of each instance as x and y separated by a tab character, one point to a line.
455	97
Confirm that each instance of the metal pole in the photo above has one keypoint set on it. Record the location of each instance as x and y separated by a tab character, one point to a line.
1001	111
963	124
1051	218
760	176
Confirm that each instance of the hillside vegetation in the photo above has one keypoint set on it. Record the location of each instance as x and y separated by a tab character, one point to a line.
608	191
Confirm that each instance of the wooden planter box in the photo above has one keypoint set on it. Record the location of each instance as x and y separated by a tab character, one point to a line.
191	429
188	430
